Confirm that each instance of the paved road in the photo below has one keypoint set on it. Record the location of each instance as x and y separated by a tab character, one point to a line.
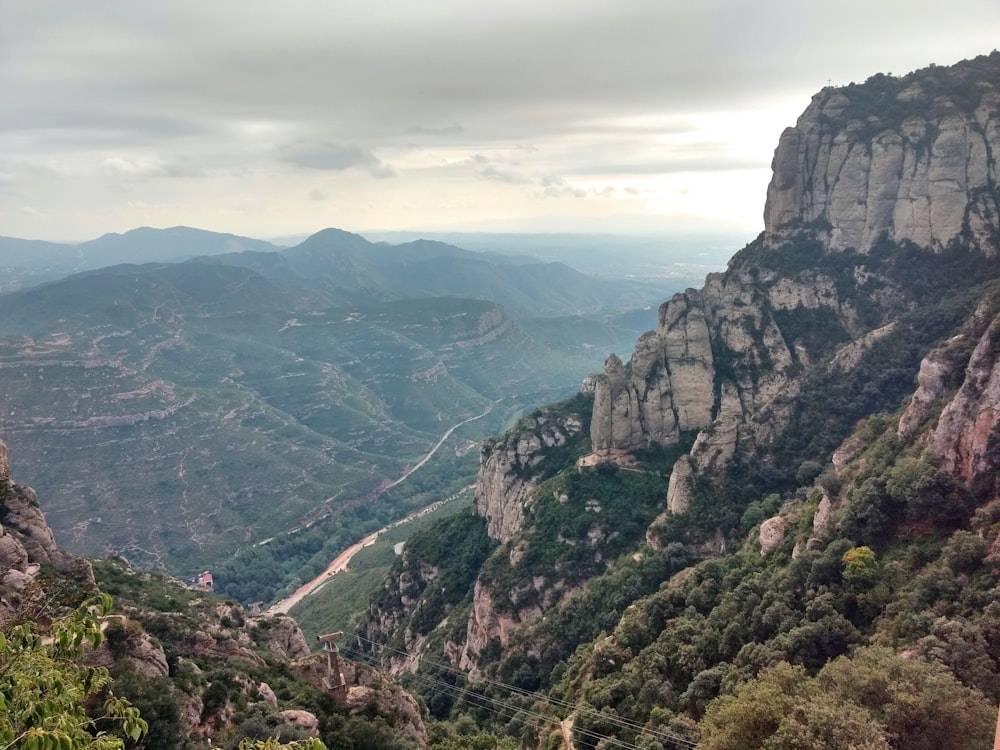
341	561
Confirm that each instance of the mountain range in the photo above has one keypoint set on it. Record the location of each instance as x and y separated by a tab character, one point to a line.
238	396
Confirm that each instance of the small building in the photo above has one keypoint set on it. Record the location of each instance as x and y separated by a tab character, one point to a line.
205	582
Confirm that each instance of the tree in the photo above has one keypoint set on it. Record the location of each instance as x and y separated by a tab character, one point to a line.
874	700
860	567
45	691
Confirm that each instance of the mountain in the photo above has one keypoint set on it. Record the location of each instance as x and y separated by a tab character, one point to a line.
30	262
777	520
350	268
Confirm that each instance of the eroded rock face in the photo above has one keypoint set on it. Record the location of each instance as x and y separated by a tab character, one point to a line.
486	623
492	625
942	369
921	171
287	638
26	536
716	362
962	438
509	468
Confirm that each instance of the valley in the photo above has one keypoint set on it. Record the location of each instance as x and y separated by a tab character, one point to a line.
244	396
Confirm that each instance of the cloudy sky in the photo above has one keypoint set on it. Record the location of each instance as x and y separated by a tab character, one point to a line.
277	118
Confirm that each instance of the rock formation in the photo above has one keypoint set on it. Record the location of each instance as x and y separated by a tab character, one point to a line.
26	540
964	438
287	638
917	166
509	467
726	362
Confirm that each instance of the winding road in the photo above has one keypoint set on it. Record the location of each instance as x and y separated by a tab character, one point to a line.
341	561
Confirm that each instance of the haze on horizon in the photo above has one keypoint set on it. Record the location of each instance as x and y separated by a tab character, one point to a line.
269	119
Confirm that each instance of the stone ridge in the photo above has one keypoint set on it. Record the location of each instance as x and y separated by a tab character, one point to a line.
913	159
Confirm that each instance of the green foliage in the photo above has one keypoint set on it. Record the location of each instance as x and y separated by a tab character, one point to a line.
481	741
276	744
860	567
44	690
580	522
817	329
454	548
873	700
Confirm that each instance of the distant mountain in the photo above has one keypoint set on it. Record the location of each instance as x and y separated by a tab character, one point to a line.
349	267
683	256
28	262
145	244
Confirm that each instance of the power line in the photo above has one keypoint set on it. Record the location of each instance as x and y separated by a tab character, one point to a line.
556	703
498	707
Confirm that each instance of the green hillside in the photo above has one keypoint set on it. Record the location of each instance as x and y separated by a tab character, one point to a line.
223	407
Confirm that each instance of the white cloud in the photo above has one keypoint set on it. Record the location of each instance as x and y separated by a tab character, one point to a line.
563	100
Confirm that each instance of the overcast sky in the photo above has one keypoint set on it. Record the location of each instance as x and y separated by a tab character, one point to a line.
277	118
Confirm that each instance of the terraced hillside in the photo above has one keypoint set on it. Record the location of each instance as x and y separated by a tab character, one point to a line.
175	413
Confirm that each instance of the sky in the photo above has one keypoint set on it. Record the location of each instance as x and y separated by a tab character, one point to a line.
271	119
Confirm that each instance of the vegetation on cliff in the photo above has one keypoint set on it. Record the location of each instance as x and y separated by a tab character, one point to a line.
830	579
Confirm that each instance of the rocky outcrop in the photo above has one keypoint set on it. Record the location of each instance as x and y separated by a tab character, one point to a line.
680	490
964	438
920	166
393	702
369	691
125	640
944	368
670	386
509	467
286	638
303	720
25	537
772	532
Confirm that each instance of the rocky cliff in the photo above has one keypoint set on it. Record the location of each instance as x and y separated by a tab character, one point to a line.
912	158
827	408
869	176
510	466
